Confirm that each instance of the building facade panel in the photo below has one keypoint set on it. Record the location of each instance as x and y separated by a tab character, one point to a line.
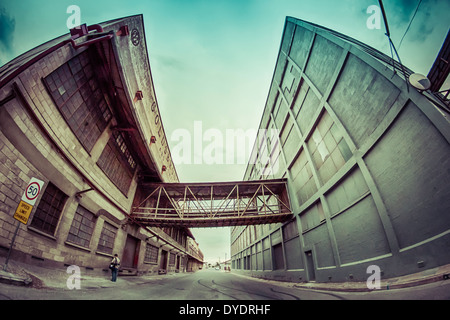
364	154
322	62
352	228
409	192
357	98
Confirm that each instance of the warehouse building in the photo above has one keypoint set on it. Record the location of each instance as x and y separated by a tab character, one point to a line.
80	113
366	153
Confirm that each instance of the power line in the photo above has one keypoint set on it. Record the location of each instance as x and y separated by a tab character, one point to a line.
409	25
391	44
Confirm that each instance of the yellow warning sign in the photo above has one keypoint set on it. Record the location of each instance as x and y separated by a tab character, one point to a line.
23	212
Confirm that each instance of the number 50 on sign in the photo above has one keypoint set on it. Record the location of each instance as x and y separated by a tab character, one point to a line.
32	191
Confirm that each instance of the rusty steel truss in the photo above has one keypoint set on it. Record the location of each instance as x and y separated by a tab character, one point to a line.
215	204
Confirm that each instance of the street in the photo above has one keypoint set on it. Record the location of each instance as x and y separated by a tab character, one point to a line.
207	285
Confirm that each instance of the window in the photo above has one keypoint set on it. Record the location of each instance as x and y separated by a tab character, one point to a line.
172	259
107	237
312	217
49	210
77	94
117	162
290	230
329	150
82	227
151	253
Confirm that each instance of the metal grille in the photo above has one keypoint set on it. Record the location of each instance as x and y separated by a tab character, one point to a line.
77	94
49	211
107	237
82	227
151	253
117	163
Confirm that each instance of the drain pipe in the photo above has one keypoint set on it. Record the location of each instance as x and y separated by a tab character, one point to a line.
89	42
95	27
83	30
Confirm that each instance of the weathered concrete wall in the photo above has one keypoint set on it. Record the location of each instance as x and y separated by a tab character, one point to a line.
366	163
58	158
134	63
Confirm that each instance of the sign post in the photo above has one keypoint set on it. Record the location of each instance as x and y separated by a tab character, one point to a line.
23	211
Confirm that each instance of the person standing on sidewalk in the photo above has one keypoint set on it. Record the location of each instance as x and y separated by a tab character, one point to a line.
114	266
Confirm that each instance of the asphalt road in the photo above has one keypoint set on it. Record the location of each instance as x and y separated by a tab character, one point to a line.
209	285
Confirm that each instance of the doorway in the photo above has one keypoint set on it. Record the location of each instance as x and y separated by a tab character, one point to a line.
163	261
310	265
277	257
130	255
177	268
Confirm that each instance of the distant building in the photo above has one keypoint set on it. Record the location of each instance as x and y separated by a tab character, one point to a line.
195	259
80	113
366	156
225	265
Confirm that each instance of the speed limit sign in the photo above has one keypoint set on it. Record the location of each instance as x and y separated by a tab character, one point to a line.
23	211
32	191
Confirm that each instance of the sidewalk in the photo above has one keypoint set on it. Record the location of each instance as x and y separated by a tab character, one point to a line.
411	280
39	277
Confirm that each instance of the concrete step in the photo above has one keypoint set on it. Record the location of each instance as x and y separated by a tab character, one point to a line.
127	272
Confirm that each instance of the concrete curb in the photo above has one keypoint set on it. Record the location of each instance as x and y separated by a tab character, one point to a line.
362	286
424	277
10	278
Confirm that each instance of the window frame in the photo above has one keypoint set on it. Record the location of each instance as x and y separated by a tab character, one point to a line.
55	202
76	233
117	162
151	254
83	88
105	248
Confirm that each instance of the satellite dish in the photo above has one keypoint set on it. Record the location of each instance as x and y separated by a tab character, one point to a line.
419	81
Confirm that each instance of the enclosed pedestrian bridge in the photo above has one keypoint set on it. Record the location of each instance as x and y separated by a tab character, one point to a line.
218	204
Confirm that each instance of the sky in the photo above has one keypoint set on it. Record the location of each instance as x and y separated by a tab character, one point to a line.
212	61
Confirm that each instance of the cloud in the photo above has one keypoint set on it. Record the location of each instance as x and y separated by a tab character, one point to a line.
403	10
213	242
166	61
422	26
7	27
